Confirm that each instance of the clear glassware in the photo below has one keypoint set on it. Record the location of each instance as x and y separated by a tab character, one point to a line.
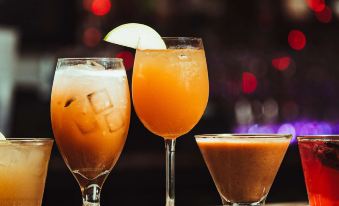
23	170
90	110
170	91
320	160
243	166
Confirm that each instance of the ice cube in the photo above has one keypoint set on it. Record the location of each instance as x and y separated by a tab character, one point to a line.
10	156
36	160
100	101
83	114
114	120
95	65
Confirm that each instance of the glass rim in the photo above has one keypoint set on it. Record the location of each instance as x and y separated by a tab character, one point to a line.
182	38
29	140
327	137
113	59
238	136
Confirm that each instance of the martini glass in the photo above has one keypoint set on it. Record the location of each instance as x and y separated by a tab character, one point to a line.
243	166
320	161
23	170
90	109
170	93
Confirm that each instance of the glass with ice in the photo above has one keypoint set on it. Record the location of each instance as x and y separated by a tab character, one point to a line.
320	161
90	110
23	170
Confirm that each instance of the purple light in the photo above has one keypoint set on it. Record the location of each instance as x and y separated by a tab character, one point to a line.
288	129
241	129
303	127
308	129
256	129
325	128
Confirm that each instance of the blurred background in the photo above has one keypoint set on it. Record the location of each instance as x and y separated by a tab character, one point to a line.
273	68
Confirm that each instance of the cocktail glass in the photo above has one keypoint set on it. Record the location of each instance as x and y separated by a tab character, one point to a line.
170	93
23	170
90	109
243	166
320	162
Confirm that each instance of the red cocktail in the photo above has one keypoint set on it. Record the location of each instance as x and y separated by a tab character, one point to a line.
320	161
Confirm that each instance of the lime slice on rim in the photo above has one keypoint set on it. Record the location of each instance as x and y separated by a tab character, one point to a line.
137	36
2	137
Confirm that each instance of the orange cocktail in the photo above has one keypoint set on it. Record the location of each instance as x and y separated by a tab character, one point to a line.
170	89
90	109
23	170
170	93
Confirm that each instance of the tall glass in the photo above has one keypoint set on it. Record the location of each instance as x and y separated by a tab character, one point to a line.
170	92
23	170
243	166
90	109
320	161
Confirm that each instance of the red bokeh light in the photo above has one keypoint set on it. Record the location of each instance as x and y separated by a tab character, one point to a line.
128	58
248	83
316	5
324	16
91	37
281	63
296	39
101	7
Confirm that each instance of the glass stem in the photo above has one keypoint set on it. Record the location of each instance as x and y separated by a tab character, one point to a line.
91	195
170	175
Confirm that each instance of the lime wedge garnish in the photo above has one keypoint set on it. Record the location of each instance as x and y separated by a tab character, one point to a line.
2	137
137	36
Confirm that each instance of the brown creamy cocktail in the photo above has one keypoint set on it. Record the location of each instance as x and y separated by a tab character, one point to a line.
243	167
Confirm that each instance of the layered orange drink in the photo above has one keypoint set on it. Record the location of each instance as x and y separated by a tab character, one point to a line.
90	109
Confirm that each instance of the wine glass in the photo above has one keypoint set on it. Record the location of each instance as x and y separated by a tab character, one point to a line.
90	110
170	92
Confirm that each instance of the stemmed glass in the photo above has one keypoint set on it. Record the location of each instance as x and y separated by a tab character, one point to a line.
90	110
243	166
170	92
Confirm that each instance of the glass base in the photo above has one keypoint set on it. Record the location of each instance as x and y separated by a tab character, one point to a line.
261	202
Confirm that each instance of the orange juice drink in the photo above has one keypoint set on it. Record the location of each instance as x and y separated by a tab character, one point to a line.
23	169
90	111
170	89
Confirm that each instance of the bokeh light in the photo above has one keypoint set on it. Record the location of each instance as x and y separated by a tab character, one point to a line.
316	5
91	37
101	7
248	83
335	7
265	129
324	16
270	110
297	128
243	112
128	59
287	129
296	9
281	63
296	39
